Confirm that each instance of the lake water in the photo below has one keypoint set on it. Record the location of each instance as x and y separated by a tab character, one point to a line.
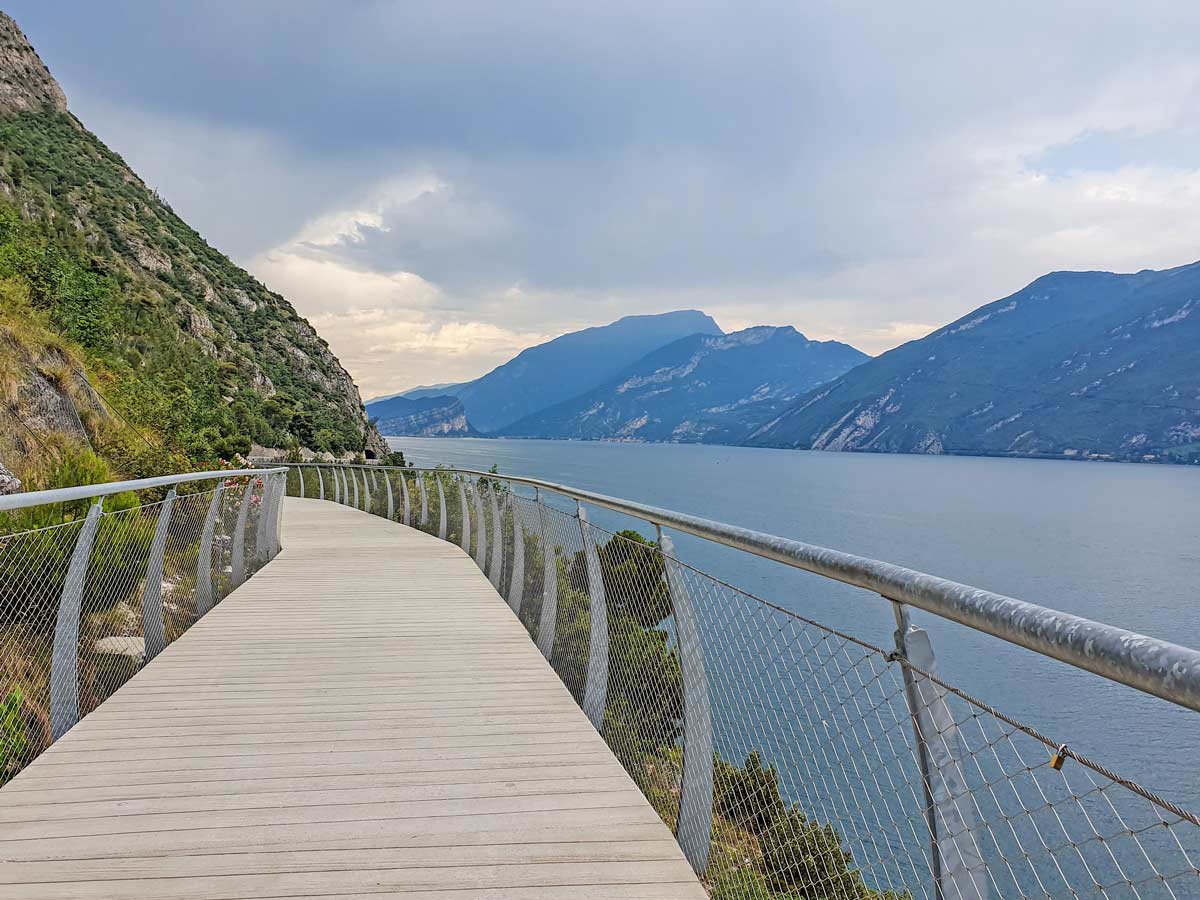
1116	543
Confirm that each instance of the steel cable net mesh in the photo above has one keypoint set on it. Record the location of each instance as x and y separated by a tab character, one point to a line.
78	619
817	777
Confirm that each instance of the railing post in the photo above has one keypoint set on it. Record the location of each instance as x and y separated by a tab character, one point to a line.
387	486
956	861
238	561
465	525
263	527
204	591
404	497
496	566
595	691
516	587
693	829
480	527
321	483
64	660
441	507
300	475
548	620
337	484
276	519
903	625
354	478
154	631
366	490
424	498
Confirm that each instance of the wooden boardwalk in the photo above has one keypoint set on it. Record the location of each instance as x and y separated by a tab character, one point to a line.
364	718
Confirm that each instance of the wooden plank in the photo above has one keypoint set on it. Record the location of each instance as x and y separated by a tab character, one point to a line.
364	717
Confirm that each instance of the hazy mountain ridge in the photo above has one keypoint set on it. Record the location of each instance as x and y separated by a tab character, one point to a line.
1077	365
702	388
549	373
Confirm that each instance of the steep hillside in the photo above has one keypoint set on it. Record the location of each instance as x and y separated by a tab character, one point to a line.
567	366
1077	365
98	276
428	416
703	388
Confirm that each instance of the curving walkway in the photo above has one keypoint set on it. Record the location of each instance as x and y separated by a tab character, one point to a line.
364	718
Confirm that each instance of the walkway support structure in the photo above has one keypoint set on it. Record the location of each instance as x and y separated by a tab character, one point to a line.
775	729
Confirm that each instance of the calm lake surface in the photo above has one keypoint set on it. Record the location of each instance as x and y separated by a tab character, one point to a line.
1116	543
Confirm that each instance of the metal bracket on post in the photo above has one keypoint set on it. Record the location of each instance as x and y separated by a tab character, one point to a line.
441	507
480	527
595	691
321	482
516	587
404	497
64	660
238	560
154	631
956	860
548	620
424	498
464	525
694	827
387	486
496	565
204	588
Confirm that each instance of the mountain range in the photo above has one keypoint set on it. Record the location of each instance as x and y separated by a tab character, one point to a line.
1077	365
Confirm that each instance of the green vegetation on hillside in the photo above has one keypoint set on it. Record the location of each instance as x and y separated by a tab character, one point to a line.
98	274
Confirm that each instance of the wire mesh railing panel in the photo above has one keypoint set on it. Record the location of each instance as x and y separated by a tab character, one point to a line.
92	589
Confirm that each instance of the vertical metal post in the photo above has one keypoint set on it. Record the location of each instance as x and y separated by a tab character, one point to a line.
366	490
516	587
64	660
238	561
300	475
496	566
464	526
424	498
321	482
595	691
354	479
694	827
480	527
548	620
387	486
404	497
910	695
276	519
204	587
441	507
262	531
337	484
154	631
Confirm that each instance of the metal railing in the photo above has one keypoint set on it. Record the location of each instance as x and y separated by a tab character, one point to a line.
794	760
96	580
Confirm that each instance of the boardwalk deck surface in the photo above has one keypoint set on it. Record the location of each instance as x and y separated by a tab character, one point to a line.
364	718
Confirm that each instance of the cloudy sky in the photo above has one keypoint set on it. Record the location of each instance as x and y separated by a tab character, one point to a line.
437	185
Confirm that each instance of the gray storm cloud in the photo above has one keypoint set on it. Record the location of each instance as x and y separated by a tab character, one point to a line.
437	184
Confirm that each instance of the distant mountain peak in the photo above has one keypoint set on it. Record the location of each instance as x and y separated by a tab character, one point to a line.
26	84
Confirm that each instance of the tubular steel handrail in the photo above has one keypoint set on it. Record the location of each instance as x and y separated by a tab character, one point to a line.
159	565
1152	665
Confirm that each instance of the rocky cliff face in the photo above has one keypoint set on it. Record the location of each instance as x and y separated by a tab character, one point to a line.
181	341
436	416
26	85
